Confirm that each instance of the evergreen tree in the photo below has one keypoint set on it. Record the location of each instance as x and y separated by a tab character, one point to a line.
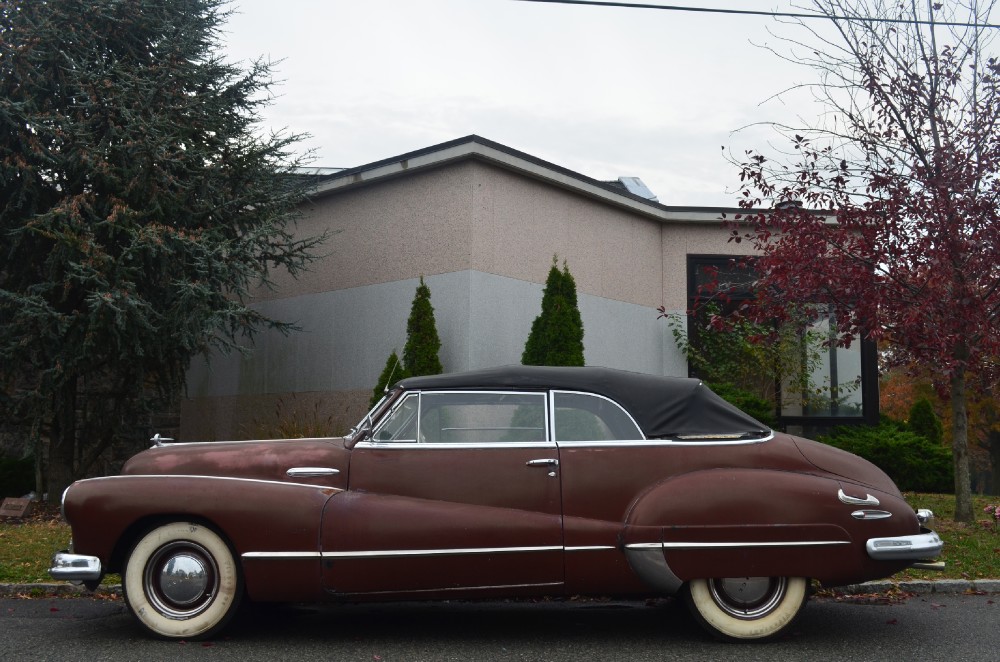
139	209
391	373
556	336
420	354
925	422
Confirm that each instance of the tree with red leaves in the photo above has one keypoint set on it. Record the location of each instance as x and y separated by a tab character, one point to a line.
891	214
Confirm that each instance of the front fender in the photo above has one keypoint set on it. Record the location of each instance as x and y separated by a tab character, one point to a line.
263	520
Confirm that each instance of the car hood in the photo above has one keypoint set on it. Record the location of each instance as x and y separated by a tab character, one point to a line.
264	460
845	465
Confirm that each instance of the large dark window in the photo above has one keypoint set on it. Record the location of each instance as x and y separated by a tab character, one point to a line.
814	383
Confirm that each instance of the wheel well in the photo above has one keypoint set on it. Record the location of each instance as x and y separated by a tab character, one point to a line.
144	525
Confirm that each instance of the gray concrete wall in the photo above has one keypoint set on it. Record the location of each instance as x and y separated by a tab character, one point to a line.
345	336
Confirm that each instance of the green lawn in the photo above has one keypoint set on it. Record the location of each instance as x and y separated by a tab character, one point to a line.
970	551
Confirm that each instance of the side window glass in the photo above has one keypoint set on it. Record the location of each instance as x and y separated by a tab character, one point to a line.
585	417
482	418
401	423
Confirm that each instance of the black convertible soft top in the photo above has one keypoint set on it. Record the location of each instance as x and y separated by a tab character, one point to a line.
664	407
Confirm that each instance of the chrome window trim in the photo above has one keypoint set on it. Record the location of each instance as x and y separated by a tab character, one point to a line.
387	445
394	553
416	443
385	419
662	442
552	418
589	548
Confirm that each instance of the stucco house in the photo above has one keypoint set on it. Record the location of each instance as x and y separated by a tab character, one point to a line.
480	222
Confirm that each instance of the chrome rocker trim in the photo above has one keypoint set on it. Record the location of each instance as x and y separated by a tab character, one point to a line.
75	567
919	547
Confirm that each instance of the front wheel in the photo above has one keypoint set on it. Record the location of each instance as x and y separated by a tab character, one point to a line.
182	582
747	608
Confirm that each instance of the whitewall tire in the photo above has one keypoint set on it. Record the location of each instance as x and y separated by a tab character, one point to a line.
747	608
182	582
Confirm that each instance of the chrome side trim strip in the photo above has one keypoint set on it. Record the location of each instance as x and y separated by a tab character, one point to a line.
734	545
311	472
418	552
242	480
280	555
453	589
871	514
392	553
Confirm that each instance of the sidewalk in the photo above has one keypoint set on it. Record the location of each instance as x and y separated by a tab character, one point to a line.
919	587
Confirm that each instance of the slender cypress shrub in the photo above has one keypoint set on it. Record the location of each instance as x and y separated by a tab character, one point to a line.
420	354
925	422
556	336
392	373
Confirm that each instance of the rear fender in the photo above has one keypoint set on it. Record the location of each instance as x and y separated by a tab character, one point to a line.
745	523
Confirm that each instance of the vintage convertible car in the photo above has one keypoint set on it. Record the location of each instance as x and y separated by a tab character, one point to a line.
507	482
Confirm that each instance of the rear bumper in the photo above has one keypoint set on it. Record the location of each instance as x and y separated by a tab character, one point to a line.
75	567
920	547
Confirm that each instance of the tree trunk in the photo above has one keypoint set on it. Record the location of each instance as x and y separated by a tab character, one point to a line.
62	443
960	447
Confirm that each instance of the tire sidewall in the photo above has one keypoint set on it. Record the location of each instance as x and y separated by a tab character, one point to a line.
730	628
223	604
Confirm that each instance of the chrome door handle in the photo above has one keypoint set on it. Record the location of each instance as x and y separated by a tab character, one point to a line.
311	472
869	500
547	462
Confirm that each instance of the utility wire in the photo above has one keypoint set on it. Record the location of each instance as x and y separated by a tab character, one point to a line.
773	14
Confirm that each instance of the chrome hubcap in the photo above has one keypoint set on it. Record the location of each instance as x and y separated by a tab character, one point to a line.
748	598
181	579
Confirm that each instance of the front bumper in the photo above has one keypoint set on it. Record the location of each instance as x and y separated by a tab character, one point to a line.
75	567
920	547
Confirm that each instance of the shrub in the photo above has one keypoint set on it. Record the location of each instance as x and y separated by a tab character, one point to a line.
420	354
925	422
556	336
914	462
391	373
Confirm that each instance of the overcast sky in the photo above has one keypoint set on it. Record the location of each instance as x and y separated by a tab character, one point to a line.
604	91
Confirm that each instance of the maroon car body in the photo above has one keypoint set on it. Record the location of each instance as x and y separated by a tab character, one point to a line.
508	482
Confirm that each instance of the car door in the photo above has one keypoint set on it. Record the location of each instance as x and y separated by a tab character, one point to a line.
452	490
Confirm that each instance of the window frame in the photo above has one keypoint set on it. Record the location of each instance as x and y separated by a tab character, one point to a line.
546	428
580	442
869	351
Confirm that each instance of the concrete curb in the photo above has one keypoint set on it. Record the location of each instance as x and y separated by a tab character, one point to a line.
57	589
920	587
924	586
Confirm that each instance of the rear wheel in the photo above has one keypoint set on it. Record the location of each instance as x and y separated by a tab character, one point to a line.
747	608
182	582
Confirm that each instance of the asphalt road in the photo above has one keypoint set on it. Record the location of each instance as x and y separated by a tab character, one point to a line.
934	627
